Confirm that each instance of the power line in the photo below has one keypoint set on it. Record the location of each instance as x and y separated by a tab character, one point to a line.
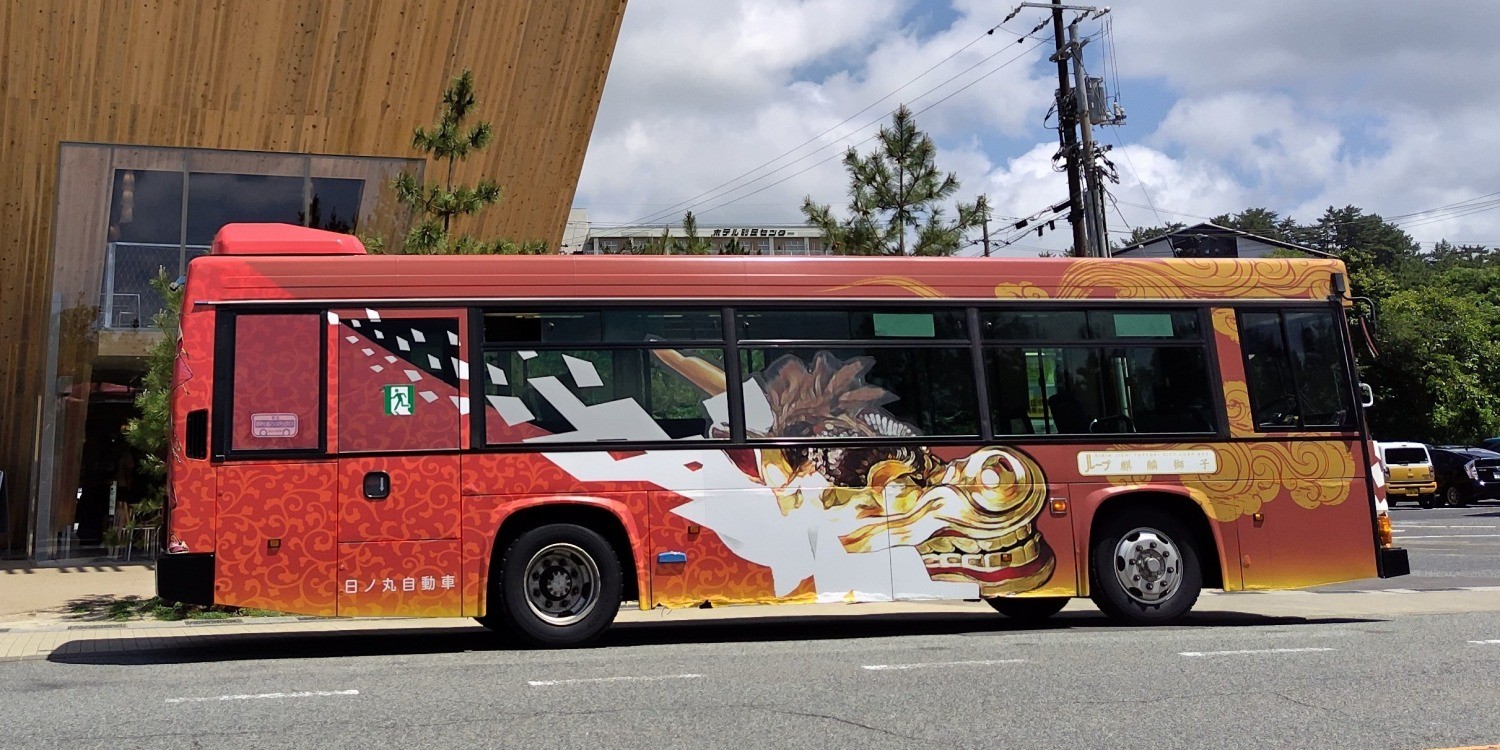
713	192
872	137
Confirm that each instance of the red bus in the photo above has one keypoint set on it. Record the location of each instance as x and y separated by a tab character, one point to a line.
532	441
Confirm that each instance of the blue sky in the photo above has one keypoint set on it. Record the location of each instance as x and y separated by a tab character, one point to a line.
736	109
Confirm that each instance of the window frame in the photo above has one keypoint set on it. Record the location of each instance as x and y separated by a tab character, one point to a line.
733	345
1204	341
479	347
221	422
1353	418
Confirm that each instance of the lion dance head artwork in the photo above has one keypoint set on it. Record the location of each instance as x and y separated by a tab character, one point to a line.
972	519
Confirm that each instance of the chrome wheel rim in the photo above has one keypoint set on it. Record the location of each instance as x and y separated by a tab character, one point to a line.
1148	565
562	584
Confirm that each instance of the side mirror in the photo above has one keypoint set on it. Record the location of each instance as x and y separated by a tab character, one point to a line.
1366	396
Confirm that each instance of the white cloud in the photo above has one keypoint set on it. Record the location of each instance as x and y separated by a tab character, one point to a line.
1289	105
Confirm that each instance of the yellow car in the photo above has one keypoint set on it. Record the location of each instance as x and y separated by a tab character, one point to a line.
1409	474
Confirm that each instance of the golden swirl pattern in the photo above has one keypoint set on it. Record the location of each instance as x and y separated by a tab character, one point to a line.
1205	278
1250	475
918	288
1225	323
1237	403
1019	290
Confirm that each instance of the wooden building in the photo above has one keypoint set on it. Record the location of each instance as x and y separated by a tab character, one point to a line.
129	131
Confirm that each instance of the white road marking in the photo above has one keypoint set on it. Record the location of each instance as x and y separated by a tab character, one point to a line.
1450	536
304	694
543	683
1486	643
1253	651
924	665
1433	526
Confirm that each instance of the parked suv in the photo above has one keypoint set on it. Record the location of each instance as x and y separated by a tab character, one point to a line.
1466	474
1408	471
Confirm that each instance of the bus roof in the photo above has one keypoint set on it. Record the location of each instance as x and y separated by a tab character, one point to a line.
323	277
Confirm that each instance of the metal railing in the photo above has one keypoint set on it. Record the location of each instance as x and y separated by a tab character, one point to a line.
128	301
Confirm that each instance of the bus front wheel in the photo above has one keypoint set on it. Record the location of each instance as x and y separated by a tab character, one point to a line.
1145	568
560	585
1030	609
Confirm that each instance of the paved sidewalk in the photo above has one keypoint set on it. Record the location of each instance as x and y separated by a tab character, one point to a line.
32	590
60	640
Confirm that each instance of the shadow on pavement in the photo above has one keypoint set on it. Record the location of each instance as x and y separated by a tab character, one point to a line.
228	647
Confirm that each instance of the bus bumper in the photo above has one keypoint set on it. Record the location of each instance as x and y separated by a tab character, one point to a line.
1392	562
187	578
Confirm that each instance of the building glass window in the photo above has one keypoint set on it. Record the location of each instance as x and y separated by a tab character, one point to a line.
148	236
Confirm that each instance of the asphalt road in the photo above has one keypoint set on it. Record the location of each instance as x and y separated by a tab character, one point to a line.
964	679
1449	548
954	681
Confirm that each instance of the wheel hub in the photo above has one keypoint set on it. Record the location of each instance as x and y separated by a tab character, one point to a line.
562	584
1148	565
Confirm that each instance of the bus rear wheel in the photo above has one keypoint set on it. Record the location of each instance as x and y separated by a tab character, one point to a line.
1028	609
1145	568
560	585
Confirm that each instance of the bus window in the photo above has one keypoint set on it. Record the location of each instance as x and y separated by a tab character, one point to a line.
844	325
818	392
1294	368
277	382
596	395
1098	378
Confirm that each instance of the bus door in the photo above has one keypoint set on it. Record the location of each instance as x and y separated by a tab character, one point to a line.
399	419
276	494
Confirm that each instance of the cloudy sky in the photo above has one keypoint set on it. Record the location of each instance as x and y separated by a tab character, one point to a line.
736	109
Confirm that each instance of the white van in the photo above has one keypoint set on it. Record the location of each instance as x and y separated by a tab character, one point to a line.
1408	472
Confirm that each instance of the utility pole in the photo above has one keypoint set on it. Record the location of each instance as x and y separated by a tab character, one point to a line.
1066	135
984	213
1094	198
1086	201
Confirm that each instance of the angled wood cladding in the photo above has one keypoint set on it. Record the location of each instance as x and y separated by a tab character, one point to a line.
307	76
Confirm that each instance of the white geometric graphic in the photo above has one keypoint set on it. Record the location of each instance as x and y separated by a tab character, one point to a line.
513	410
418	337
461	367
497	375
413	375
462	402
583	372
372	315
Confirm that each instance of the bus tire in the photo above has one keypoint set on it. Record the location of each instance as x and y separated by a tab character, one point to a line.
1145	568
560	585
1029	609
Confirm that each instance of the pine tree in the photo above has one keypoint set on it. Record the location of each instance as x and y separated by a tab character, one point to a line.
896	195
434	206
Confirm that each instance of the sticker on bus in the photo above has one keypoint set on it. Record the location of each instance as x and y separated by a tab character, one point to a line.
273	425
1128	463
398	400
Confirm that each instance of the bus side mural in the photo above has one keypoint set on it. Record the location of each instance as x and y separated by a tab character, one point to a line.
1127	430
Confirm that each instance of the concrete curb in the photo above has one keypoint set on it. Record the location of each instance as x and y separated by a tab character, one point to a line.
85	641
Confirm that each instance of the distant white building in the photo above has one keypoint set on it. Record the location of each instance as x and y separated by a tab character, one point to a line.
576	232
768	239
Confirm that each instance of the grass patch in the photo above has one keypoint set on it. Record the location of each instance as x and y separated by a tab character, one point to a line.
127	608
